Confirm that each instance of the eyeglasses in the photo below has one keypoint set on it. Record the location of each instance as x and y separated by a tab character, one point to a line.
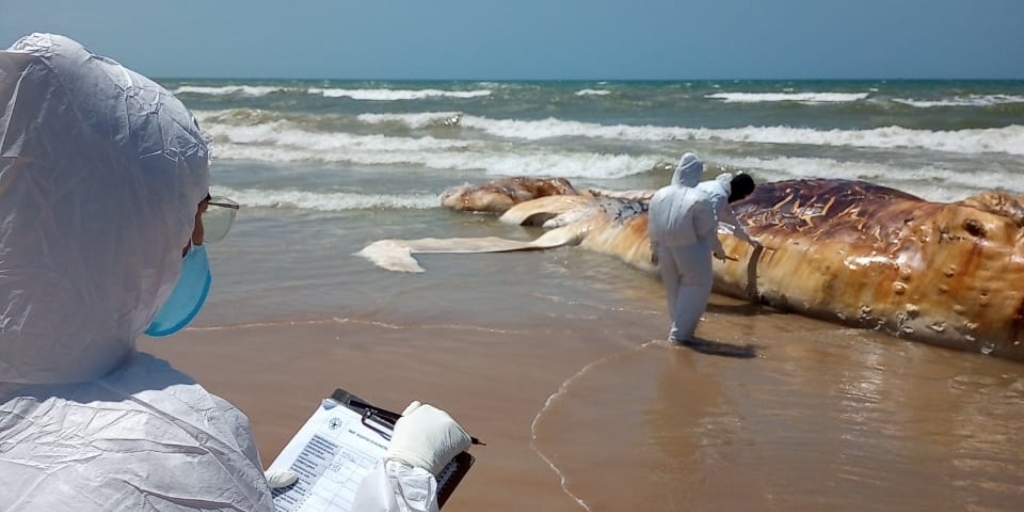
217	219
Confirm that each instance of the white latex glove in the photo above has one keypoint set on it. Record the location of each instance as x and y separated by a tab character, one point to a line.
426	437
279	479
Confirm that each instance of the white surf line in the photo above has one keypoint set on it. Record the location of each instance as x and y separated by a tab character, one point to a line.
339	320
256	325
562	390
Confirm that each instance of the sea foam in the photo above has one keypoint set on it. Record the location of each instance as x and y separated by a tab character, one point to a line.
228	90
802	97
397	94
1008	139
496	162
974	100
285	141
332	92
509	151
326	201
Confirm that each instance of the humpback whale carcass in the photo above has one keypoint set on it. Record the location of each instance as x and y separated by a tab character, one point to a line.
949	274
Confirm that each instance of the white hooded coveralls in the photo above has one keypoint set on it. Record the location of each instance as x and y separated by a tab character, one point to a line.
718	190
683	230
101	173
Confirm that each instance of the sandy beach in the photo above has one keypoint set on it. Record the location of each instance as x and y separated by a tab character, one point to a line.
585	415
495	382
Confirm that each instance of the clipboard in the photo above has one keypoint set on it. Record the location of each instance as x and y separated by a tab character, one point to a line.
383	419
337	446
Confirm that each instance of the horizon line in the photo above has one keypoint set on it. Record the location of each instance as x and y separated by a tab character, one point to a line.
674	80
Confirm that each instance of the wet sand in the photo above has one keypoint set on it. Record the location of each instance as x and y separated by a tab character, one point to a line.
494	382
773	412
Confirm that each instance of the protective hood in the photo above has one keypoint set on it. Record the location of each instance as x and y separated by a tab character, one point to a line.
101	171
682	213
688	171
717	190
724	180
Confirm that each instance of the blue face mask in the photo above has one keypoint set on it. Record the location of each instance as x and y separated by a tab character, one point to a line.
188	295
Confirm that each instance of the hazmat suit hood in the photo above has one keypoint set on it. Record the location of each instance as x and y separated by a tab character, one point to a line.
98	199
724	180
671	212
101	173
688	171
717	189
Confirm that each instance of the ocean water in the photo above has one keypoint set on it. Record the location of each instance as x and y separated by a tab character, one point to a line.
325	167
823	417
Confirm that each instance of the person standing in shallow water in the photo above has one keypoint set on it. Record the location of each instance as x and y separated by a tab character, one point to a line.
683	230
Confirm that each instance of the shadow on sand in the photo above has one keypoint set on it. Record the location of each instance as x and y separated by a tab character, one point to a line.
718	348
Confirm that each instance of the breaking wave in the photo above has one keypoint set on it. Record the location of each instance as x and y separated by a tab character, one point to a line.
332	92
802	97
326	201
1009	140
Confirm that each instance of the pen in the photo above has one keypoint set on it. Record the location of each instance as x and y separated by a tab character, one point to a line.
393	417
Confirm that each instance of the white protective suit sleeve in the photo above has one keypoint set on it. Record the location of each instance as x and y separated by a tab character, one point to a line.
705	224
144	438
718	190
393	486
101	173
425	439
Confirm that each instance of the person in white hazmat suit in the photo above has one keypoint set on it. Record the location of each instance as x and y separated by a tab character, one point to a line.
683	230
105	208
724	190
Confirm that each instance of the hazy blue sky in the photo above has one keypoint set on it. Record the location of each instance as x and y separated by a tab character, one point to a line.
540	39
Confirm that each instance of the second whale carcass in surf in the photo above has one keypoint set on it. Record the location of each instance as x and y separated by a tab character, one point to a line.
852	252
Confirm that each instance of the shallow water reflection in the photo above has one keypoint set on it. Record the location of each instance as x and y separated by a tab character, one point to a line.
823	419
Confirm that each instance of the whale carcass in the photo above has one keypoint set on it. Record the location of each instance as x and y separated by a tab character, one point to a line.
852	252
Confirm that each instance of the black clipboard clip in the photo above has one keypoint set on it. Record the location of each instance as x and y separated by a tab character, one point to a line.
381	426
381	421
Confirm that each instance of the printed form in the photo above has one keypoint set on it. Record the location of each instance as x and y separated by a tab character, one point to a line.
331	453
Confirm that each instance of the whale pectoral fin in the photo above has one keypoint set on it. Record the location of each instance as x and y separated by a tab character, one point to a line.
391	255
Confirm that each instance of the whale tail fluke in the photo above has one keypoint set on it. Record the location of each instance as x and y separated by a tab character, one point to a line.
391	255
397	255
